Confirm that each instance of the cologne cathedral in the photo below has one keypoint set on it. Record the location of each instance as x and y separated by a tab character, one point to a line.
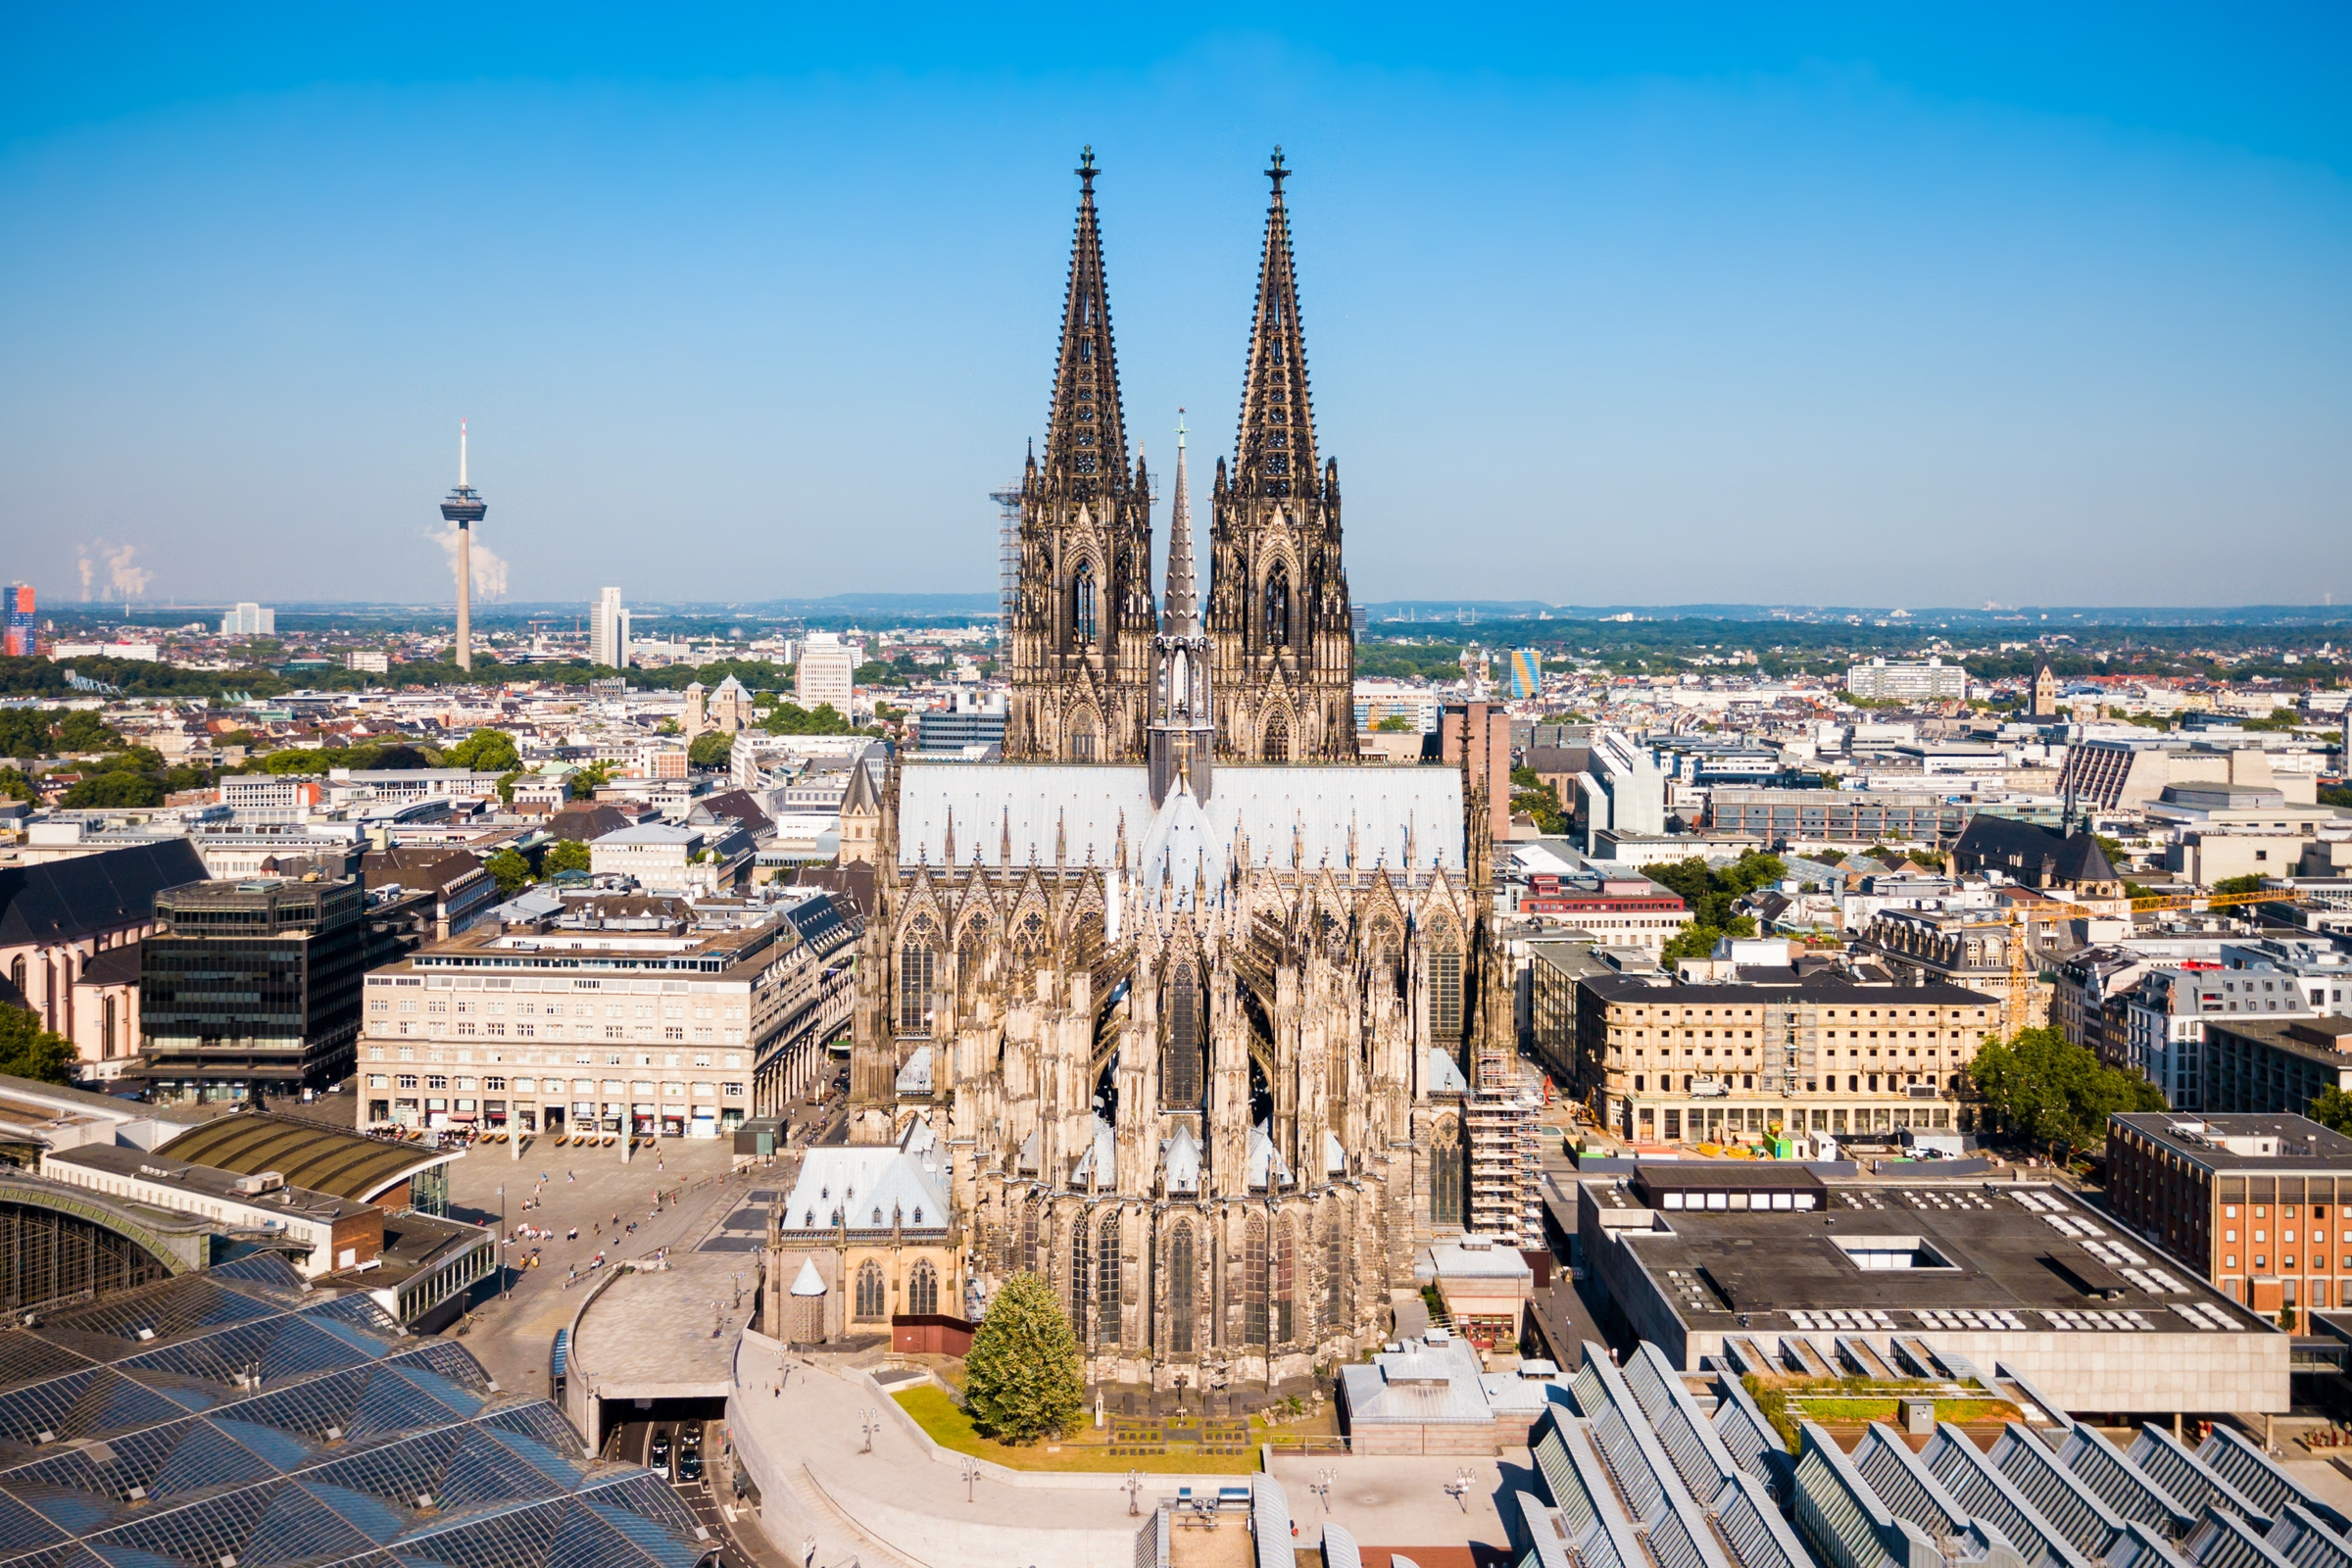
1181	999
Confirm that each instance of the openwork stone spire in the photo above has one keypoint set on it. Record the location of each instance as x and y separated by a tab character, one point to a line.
1276	447
1086	435
1180	610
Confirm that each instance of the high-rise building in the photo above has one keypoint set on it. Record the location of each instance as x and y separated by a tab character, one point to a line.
1932	681
18	626
464	507
252	984
827	673
249	619
1526	677
609	631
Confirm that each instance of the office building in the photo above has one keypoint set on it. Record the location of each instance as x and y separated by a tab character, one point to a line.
826	674
1835	816
252	986
576	1012
2234	1196
1932	682
1770	1268
1964	948
15	621
249	619
2266	1066
609	631
373	664
1728	1063
1617	911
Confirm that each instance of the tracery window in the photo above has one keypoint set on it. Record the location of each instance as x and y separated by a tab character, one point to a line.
1082	605
1335	1269
1082	739
1106	1280
1278	605
1445	992
1080	1269
1277	748
922	1289
1029	1257
1180	1061
1181	1290
1445	1174
1254	1282
869	1289
918	964
1285	1269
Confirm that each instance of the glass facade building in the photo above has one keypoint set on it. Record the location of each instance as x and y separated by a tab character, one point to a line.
253	985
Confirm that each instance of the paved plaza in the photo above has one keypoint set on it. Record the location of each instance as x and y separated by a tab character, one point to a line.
586	1187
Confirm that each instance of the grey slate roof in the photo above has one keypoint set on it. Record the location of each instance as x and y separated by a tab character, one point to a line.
65	901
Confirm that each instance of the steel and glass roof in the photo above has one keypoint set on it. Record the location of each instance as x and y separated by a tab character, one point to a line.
236	1420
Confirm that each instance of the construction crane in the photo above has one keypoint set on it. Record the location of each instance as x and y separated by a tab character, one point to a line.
2023	914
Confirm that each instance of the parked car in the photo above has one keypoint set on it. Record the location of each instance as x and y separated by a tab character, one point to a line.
657	1455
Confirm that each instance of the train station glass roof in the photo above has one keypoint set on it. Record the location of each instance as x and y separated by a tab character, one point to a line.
234	1419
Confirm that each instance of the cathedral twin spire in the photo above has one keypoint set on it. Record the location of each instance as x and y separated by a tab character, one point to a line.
1086	654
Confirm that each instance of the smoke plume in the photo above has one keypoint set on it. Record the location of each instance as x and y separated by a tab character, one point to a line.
130	581
84	564
489	566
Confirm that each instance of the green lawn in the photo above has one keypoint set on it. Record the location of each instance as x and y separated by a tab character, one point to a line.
1962	1411
951	1428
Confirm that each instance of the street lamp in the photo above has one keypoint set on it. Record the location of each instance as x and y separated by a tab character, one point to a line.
871	1420
1459	1487
502	1242
1132	1485
971	1474
1322	1486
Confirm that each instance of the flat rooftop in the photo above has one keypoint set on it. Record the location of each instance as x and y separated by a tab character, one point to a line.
204	1181
648	1335
1920	1258
2262	1144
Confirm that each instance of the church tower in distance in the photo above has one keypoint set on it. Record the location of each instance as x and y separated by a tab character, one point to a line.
1279	624
1080	641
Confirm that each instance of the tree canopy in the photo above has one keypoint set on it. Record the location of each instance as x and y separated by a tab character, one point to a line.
1710	892
29	1051
710	750
565	855
1021	1379
486	750
2055	1093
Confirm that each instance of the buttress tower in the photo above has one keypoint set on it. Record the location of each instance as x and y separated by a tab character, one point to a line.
1083	617
1280	626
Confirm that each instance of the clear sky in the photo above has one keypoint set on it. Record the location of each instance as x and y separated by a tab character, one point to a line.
1906	304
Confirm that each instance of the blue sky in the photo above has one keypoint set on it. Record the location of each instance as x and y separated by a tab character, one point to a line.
1924	305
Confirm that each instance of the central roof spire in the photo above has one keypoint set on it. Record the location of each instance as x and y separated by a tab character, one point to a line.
1275	449
1180	612
1085	435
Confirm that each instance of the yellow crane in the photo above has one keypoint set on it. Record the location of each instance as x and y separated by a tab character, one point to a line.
2024	913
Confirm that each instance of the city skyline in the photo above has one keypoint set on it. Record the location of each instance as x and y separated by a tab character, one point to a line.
1622	306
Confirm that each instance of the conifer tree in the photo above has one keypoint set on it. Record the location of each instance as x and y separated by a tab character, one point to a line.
1021	1378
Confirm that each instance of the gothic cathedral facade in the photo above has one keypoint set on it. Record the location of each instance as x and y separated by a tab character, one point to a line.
1193	1015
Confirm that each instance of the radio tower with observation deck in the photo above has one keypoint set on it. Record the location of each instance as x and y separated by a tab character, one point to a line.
464	507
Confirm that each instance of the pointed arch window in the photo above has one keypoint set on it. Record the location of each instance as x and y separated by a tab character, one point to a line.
922	1289
1180	1061
1082	605
1182	1290
1080	1272
1335	1269
1286	1271
1446	990
1254	1282
1107	1282
870	1290
1277	748
917	967
1278	604
1445	1174
1083	746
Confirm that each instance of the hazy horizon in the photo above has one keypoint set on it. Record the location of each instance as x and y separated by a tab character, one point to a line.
1693	307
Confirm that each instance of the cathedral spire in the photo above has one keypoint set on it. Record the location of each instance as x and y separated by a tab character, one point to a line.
1275	455
1086	437
1180	610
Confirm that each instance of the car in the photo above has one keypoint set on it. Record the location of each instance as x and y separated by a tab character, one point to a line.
656	1454
690	1455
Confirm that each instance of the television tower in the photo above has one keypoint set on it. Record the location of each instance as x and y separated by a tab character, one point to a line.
464	507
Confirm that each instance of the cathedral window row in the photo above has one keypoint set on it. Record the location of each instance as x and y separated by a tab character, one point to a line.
871	1300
